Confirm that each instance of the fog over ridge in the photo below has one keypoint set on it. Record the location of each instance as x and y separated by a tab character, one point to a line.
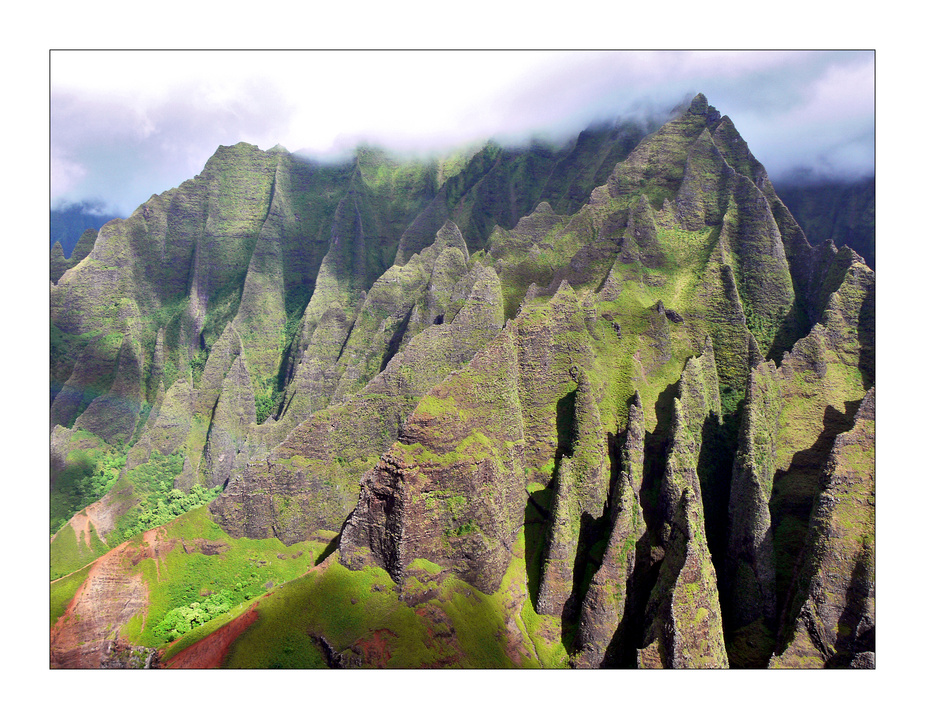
118	140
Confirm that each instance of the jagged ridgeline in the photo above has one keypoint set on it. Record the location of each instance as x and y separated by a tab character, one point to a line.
597	405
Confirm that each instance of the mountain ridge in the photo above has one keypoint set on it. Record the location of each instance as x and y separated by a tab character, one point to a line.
554	412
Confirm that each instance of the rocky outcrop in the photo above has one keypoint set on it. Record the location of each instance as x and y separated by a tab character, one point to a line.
233	415
581	487
60	264
633	412
114	414
450	489
793	414
750	559
602	634
683	617
309	480
475	445
833	597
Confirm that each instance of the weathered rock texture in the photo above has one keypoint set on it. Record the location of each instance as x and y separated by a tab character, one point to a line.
609	600
683	617
103	603
792	416
832	597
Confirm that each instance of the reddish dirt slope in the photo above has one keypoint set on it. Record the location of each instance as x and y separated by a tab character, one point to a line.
209	652
105	601
111	595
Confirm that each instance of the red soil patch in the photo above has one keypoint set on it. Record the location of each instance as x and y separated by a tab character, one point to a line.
209	652
107	599
376	651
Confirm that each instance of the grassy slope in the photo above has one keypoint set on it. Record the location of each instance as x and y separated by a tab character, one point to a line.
432	620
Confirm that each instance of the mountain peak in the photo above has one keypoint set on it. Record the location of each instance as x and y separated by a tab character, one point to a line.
699	104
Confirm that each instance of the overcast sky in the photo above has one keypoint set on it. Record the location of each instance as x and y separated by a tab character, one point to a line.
117	141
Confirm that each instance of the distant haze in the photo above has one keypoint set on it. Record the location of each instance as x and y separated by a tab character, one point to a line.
129	124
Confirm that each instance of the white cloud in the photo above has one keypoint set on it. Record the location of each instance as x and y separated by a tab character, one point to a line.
141	122
65	175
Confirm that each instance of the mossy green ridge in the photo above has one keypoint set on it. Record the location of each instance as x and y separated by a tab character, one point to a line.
750	557
683	616
793	414
448	490
832	598
581	484
608	608
499	186
174	332
60	264
309	480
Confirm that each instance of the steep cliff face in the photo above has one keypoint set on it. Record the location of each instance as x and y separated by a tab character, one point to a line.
831	604
793	414
581	483
608	390
610	607
683	617
60	264
309	480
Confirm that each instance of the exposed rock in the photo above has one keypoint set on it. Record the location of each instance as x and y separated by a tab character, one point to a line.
310	480
420	498
601	630
792	417
581	487
113	415
122	655
438	361
750	559
683	617
233	414
106	600
833	593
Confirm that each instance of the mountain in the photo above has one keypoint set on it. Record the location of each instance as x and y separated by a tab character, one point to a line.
68	223
594	405
841	211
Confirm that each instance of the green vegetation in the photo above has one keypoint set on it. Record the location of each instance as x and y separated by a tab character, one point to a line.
266	403
63	590
361	616
182	620
89	473
190	589
70	552
159	503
